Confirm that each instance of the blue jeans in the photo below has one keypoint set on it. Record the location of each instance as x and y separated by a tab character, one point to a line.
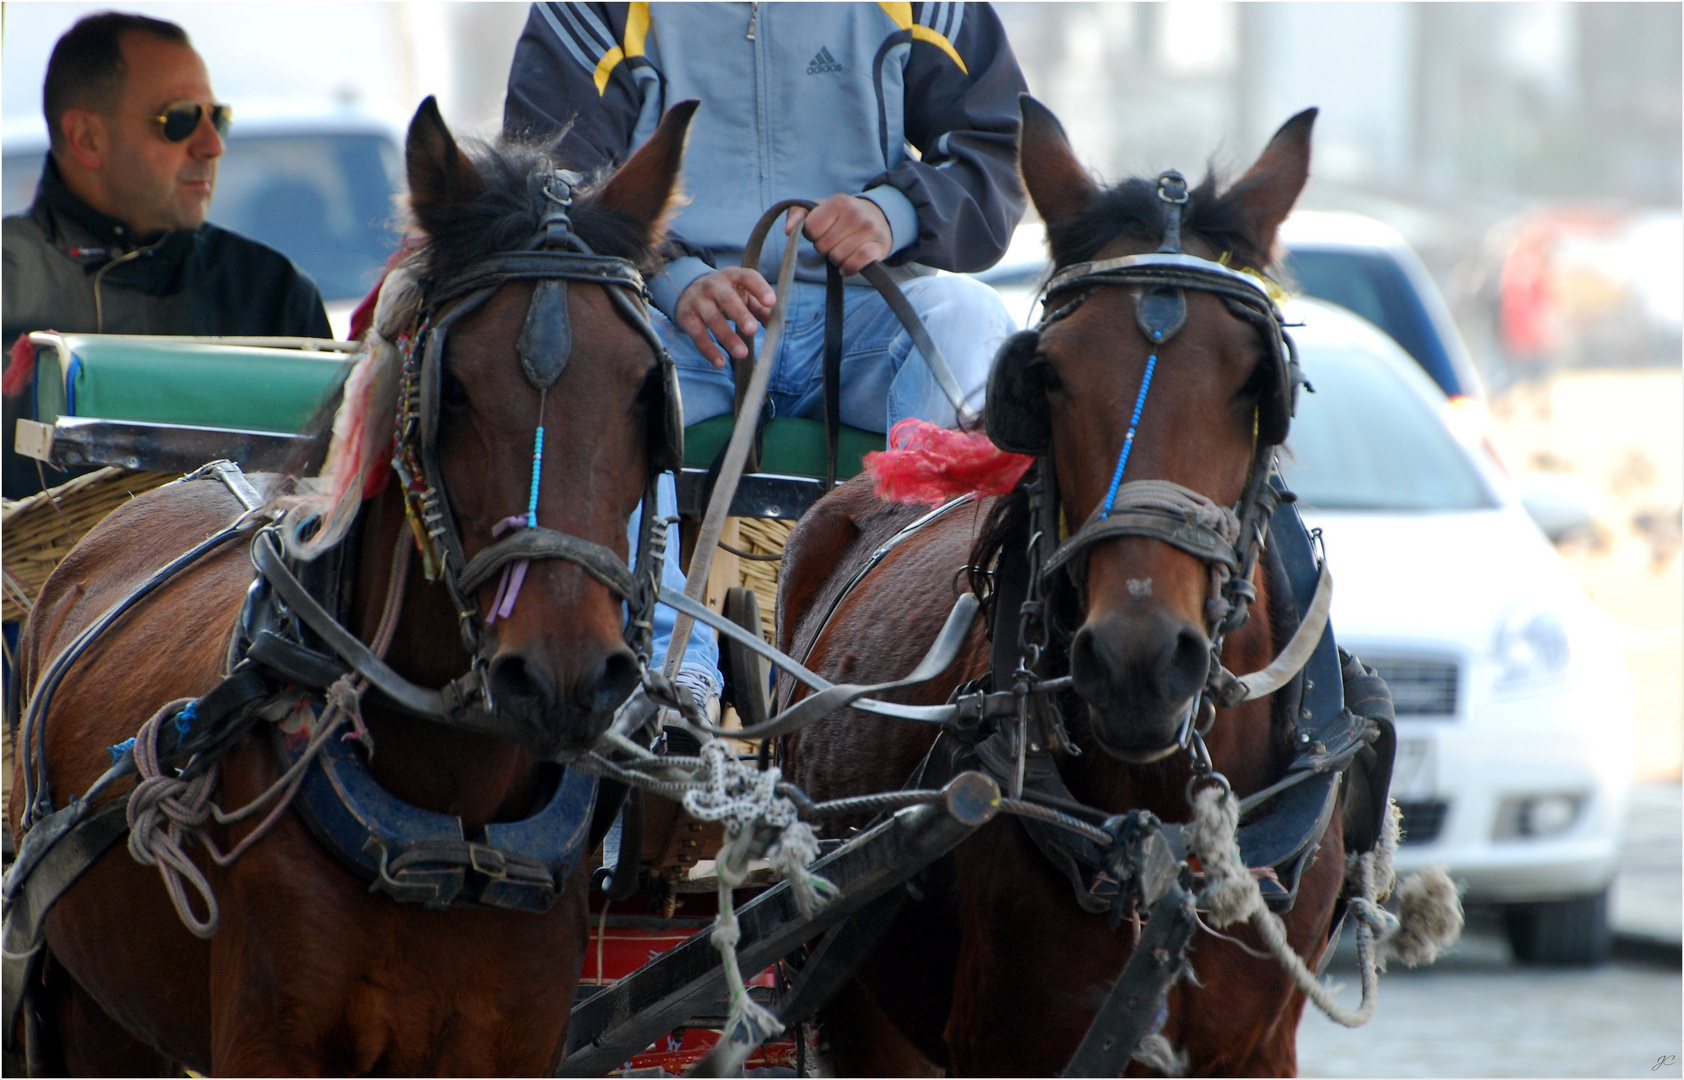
884	380
701	656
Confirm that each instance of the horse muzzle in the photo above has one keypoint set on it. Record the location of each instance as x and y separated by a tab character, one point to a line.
1139	676
560	718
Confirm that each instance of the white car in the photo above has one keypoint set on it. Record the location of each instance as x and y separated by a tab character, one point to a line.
1513	699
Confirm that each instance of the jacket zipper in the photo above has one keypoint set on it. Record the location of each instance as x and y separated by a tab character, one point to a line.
99	279
753	14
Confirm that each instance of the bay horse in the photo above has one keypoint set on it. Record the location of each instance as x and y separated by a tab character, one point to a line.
310	972
992	968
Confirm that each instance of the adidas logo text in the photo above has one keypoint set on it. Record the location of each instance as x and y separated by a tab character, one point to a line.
823	63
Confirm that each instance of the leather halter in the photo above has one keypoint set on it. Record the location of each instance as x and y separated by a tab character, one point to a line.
1159	281
554	256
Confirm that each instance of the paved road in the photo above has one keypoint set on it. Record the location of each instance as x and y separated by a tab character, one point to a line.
1477	1013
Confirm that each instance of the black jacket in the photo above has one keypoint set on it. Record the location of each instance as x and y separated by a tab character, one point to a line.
70	268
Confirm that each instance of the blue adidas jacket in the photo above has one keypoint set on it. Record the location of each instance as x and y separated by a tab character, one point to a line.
798	101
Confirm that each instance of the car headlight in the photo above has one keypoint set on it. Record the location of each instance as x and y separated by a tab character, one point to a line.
1531	645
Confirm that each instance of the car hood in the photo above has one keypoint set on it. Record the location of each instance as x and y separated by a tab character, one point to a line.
1439	577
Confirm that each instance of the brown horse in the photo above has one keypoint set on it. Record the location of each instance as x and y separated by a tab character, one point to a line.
310	973
992	968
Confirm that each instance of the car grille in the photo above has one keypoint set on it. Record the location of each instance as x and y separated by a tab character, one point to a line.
1419	687
1422	821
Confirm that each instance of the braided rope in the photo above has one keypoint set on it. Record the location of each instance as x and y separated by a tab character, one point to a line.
1431	920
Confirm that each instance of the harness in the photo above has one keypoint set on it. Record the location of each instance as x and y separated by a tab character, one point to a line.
1010	724
291	652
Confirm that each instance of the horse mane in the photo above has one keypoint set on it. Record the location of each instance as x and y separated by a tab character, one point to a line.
505	214
357	424
1133	209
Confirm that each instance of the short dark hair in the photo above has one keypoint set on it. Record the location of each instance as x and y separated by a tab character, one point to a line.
87	70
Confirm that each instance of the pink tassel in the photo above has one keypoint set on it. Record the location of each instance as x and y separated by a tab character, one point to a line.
930	464
514	575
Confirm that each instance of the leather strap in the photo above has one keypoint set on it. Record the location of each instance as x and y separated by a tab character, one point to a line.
540	543
450	706
833	311
1195	539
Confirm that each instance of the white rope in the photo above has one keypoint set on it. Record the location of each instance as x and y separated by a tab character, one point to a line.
1431	919
746	800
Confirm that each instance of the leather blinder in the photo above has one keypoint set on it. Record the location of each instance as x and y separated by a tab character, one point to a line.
547	338
1016	417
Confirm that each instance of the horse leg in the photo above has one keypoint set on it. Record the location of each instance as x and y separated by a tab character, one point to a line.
70	1035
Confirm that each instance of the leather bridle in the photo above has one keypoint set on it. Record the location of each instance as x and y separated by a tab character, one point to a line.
554	257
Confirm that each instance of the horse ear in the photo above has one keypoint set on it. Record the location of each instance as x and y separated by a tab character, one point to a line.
1055	180
1265	194
646	187
438	170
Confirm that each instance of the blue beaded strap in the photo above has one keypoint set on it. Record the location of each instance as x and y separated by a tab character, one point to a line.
537	467
1128	440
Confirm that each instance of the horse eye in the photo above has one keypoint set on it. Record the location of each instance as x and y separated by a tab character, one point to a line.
452	394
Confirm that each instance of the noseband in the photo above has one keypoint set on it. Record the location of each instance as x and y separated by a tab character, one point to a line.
1228	540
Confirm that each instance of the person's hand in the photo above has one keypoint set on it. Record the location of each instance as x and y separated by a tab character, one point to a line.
847	230
727	302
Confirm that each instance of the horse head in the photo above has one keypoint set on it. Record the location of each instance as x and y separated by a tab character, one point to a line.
555	405
1180	381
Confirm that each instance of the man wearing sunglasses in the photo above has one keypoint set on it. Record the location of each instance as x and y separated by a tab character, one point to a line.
116	241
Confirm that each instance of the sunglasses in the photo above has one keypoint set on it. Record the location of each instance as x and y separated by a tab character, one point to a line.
180	120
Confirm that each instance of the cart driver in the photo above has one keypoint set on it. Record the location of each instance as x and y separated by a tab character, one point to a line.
816	101
116	241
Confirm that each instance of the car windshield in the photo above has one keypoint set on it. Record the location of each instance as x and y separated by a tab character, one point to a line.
1367	440
322	199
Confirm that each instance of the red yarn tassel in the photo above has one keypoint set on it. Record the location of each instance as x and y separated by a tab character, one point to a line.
20	370
930	464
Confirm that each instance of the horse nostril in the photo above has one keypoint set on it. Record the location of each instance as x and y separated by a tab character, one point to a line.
1091	667
616	676
1185	665
521	687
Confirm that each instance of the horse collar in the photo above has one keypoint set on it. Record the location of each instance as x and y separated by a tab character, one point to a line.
420	856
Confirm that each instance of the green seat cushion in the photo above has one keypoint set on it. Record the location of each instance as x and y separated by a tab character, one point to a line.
792	446
204	383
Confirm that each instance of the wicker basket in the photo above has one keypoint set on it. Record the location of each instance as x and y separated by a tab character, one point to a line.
38	532
763	536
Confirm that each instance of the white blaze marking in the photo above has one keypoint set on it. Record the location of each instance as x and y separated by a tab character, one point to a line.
1140	586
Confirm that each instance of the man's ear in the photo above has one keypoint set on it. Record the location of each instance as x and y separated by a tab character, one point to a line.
87	140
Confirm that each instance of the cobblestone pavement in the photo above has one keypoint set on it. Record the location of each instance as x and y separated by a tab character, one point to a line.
1648	900
1476	1013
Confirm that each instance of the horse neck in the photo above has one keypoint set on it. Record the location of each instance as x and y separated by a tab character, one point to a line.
1244	742
427	764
